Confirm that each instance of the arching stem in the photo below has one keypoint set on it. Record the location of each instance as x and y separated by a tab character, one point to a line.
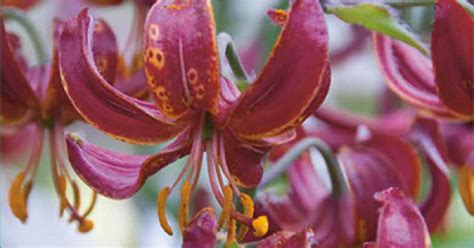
338	180
27	24
228	52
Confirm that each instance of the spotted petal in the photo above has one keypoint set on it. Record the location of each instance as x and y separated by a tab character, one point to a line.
181	56
295	73
100	104
119	175
284	239
453	28
400	222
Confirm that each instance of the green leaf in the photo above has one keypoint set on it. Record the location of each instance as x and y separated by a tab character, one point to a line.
376	18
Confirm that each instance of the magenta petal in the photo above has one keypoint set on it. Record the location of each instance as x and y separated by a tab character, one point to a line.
296	72
17	95
100	104
400	222
426	133
368	172
105	50
118	175
453	28
202	230
245	162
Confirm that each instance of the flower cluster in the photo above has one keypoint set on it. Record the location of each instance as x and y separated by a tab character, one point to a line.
246	132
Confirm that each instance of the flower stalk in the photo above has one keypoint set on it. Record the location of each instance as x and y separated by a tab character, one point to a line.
338	180
19	16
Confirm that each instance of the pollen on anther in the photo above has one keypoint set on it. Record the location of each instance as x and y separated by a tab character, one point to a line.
154	32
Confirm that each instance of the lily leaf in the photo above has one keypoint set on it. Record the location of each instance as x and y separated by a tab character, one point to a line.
376	18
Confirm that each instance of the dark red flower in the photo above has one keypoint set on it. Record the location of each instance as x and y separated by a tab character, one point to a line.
194	104
442	86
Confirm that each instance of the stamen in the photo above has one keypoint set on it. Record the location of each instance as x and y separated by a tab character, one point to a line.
231	227
85	226
260	226
20	191
161	206
183	211
91	205
248	207
62	184
77	197
225	167
226	208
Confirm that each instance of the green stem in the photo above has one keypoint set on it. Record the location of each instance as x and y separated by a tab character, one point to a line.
338	180
228	52
23	20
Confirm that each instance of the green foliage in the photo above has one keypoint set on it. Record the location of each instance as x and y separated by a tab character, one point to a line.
377	18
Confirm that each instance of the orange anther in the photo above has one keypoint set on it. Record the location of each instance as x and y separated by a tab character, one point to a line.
466	187
227	206
183	211
161	206
85	226
18	197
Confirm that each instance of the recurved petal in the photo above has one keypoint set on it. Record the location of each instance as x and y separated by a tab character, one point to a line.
17	93
126	118
202	230
181	59
296	72
453	28
117	175
409	74
245	161
105	50
400	222
403	156
368	172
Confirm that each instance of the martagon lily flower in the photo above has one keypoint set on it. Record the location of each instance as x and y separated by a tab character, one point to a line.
202	110
33	97
443	85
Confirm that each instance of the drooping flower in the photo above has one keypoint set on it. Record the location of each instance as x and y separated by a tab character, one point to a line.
424	133
370	164
400	223
32	96
194	104
443	85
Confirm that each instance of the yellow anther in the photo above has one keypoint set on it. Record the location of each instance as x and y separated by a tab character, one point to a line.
227	206
260	226
248	206
161	206
231	227
18	197
85	226
183	211
466	187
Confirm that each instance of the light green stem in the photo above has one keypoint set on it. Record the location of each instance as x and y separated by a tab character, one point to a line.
25	22
338	181
228	52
